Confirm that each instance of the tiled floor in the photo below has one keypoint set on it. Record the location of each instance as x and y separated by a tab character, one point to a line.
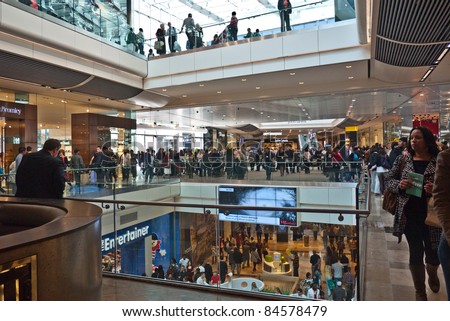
387	273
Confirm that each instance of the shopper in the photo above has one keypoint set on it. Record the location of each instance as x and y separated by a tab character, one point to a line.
411	210
41	174
441	192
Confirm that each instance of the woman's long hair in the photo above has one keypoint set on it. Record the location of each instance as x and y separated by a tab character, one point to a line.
429	138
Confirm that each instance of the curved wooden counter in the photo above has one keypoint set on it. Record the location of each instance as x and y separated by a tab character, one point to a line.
52	251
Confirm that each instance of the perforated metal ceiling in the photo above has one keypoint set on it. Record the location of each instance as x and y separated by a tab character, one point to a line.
36	72
412	33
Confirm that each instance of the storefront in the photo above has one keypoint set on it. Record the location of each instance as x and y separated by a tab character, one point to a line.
18	123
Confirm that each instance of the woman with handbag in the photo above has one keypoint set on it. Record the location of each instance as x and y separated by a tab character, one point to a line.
412	210
161	38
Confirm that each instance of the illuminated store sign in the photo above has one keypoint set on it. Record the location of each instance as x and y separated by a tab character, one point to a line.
8	110
124	236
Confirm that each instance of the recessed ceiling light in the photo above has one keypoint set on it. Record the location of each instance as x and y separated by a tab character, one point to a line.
244	79
410	102
300	104
353	99
262	113
394	112
292	73
201	85
164	89
87	110
219	92
301	83
421	95
348	66
184	96
257	87
253	108
350	77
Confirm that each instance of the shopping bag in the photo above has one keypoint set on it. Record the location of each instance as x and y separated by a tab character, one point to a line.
176	46
93	177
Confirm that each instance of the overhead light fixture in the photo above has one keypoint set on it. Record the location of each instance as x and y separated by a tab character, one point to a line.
243	79
184	96
201	85
292	73
442	55
257	87
164	90
219	92
429	71
348	66
272	133
350	77
301	83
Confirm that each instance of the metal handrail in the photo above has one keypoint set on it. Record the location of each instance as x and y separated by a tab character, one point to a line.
226	207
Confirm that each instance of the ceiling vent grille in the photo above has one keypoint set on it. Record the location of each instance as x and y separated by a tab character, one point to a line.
412	33
37	72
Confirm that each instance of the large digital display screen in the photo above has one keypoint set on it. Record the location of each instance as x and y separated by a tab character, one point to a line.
261	197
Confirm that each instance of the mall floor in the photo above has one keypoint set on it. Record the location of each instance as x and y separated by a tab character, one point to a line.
387	276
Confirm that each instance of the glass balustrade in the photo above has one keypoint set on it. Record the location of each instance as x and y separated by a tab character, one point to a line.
110	20
239	233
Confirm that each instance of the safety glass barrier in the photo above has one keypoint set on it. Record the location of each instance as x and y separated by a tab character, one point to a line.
101	181
259	23
282	246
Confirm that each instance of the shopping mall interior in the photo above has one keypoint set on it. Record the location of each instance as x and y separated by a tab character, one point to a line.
341	74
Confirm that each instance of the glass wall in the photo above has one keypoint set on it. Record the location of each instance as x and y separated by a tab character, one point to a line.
231	247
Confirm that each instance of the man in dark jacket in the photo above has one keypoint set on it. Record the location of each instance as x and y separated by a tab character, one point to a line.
41	174
397	150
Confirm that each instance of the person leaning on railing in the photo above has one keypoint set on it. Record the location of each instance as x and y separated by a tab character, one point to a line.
285	8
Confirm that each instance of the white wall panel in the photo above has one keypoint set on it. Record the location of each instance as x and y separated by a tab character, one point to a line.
316	195
301	42
267	49
268	66
182	63
48	54
234	55
237	71
157	82
342	196
16	45
348	54
341	35
306	61
157	68
184	79
64	37
206	75
21	21
208	59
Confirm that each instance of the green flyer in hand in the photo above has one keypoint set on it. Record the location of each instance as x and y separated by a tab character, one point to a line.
417	181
